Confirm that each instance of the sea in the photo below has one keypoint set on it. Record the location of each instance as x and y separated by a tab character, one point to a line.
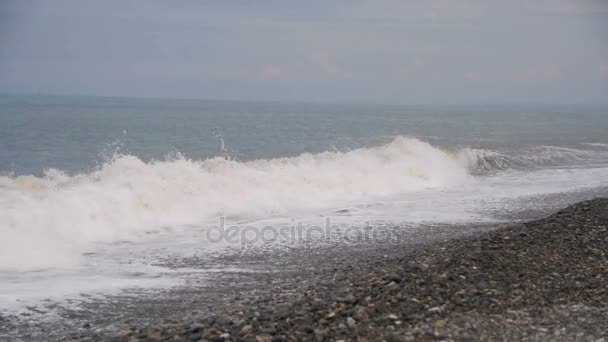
98	193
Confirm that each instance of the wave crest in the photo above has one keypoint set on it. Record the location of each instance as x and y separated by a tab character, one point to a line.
126	196
484	161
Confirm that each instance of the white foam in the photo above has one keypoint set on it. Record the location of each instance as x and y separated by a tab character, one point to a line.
596	144
489	160
18	291
46	222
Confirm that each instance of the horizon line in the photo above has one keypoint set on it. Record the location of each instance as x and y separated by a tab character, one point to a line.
307	102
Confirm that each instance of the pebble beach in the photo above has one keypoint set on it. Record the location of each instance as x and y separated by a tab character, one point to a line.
539	280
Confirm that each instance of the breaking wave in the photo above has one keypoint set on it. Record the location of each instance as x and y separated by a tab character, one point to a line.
49	221
487	161
45	220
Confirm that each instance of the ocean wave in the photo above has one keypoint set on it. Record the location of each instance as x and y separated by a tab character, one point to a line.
47	220
483	161
596	144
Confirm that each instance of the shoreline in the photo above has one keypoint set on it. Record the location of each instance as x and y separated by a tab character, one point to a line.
542	279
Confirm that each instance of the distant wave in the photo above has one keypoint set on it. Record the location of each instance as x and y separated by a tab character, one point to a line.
596	144
483	161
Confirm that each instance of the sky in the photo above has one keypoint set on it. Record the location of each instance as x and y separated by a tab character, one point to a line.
371	51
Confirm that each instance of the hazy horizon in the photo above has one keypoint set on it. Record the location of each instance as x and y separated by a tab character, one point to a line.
368	52
305	102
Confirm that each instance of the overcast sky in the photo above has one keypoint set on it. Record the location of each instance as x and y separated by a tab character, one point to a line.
378	51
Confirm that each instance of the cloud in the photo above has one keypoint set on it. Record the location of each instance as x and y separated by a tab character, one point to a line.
547	71
446	10
472	76
317	48
321	59
603	70
578	6
270	72
318	66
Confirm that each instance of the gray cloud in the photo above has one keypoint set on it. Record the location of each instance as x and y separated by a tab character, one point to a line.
437	51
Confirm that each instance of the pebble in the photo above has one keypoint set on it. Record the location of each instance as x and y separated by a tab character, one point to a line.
540	280
247	329
350	322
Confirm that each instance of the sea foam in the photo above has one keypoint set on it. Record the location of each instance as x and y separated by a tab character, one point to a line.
49	221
